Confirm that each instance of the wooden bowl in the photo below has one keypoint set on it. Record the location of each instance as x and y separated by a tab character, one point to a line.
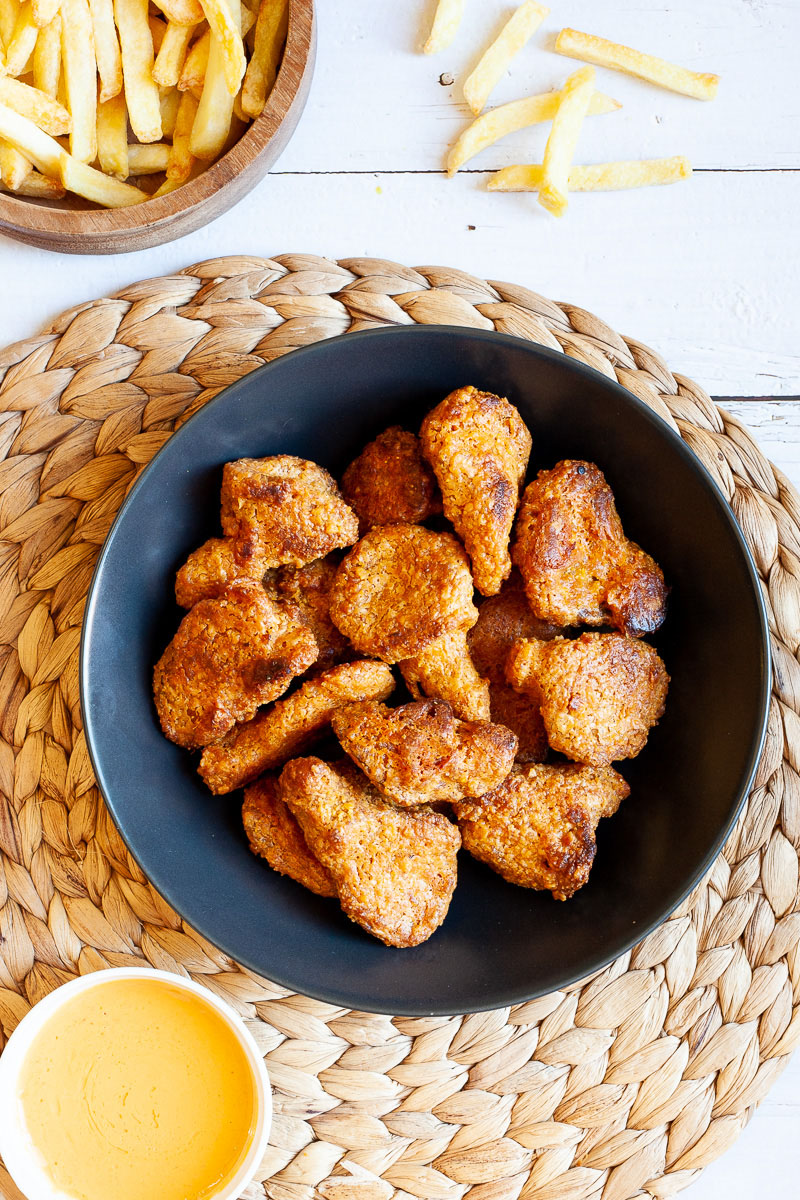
75	226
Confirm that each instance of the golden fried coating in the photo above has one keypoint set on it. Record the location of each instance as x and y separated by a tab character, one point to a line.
394	869
420	753
478	446
399	588
444	669
537	829
309	589
288	508
599	695
229	656
210	569
274	835
577	564
391	482
290	725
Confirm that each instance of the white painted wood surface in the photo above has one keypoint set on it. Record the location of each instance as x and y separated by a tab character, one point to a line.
706	272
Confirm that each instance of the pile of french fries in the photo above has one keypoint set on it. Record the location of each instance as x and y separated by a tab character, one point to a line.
556	175
120	100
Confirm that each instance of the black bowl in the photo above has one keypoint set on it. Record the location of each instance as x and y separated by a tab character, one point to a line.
499	944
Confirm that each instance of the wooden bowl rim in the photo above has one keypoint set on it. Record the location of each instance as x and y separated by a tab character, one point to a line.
213	181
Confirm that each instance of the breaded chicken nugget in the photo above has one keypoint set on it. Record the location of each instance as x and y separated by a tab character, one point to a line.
289	508
309	589
503	620
478	446
290	725
229	656
444	669
420	753
401	587
537	829
394	869
274	835
577	564
390	482
210	569
599	695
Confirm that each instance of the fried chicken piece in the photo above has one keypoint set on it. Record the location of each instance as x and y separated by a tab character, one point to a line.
420	753
308	588
537	829
290	725
503	620
274	835
478	446
390	482
599	695
394	869
210	569
444	669
229	656
577	564
288	508
401	587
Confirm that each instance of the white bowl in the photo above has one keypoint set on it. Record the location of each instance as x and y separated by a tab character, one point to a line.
23	1161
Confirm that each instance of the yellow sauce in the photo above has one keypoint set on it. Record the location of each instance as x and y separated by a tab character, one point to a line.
137	1090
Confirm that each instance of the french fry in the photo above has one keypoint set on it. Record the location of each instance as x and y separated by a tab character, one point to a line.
446	21
43	151
80	77
44	11
169	101
181	158
226	30
511	117
494	61
148	160
600	177
14	167
39	187
194	69
157	28
9	11
85	181
141	90
21	45
47	58
172	54
564	133
40	108
588	48
215	110
181	12
112	137
271	29
106	48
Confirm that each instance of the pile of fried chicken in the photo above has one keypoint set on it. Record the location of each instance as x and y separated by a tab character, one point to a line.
518	710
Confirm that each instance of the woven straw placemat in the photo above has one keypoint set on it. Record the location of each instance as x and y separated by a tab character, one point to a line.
626	1084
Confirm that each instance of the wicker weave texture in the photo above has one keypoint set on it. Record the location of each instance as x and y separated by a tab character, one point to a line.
624	1085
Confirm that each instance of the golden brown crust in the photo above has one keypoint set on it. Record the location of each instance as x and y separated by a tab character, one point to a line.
599	695
523	718
229	656
577	564
287	507
399	588
420	753
445	670
291	725
275	836
390	482
478	446
537	829
308	588
394	869
210	569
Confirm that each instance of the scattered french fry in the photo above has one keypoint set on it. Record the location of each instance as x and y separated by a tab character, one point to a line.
40	108
564	133
215	110
169	102
21	45
181	12
226	31
271	28
446	21
112	137
106	48
511	117
521	26
85	181
148	160
600	177
588	48
141	90
39	187
194	69
80	77
172	54
9	11
47	58
14	167
44	11
181	158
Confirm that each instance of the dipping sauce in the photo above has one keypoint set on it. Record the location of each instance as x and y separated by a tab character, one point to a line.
138	1090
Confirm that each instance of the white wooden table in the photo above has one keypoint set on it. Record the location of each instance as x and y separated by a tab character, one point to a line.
706	272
